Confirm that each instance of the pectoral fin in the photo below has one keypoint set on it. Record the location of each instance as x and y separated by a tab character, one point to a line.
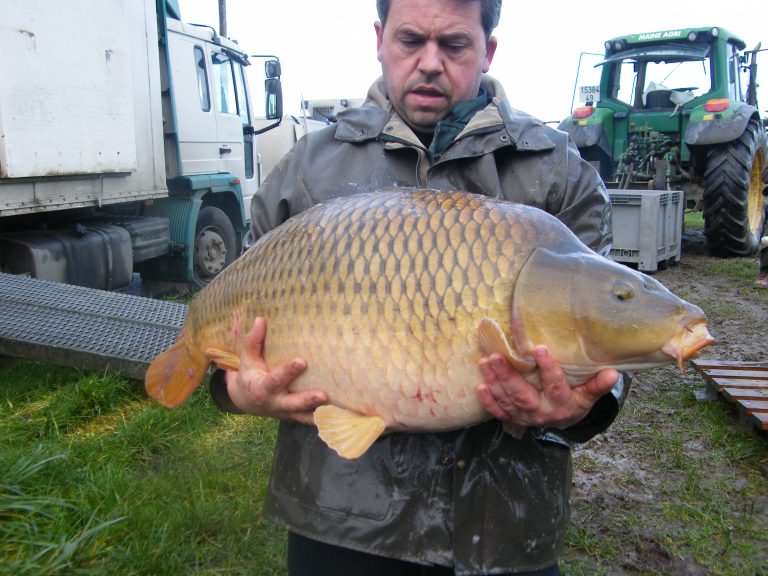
349	433
224	360
493	340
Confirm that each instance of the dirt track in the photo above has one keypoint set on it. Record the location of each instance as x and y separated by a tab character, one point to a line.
646	491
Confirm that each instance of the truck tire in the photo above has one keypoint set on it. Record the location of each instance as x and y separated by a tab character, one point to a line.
215	245
733	202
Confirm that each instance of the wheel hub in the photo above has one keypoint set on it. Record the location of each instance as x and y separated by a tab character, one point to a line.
210	253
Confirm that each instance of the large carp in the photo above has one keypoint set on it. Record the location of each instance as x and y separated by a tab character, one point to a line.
393	297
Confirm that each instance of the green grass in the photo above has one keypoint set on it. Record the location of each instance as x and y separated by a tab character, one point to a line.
94	478
694	220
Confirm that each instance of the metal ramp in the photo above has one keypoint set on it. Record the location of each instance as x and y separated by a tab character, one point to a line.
83	327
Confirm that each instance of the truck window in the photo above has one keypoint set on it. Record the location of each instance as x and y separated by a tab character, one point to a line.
737	79
224	83
624	81
242	102
689	76
202	79
242	105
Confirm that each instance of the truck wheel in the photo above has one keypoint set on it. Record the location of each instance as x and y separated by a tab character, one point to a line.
733	200
215	245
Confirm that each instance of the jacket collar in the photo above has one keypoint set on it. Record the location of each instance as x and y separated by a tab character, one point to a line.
377	119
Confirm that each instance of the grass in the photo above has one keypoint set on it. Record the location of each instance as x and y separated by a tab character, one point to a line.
94	478
693	220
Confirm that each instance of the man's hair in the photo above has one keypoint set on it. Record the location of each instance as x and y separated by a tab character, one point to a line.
489	12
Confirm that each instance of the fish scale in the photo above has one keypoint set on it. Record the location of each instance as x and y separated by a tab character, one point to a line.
389	296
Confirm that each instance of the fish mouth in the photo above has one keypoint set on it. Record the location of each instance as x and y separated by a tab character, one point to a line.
687	343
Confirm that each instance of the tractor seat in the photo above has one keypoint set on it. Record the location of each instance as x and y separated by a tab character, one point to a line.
659	99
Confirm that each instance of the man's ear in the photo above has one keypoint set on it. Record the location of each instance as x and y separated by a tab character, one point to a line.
379	35
490	50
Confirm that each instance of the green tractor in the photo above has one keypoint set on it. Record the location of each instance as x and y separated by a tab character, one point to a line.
677	110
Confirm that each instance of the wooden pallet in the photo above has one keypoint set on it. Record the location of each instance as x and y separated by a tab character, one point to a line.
743	383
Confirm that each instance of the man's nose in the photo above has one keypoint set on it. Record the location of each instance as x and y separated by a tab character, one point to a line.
430	59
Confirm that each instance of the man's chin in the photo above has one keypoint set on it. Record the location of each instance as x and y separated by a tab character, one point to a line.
423	122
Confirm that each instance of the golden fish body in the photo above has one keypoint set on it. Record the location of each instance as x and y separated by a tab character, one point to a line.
393	297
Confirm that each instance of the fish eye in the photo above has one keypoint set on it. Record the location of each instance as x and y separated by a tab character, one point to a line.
623	291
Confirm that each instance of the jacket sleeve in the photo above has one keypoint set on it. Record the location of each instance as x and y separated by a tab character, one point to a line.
283	193
217	386
584	206
601	416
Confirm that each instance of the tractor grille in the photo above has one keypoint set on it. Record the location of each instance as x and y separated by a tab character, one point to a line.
83	327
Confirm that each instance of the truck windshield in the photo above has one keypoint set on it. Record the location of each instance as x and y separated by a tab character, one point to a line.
635	81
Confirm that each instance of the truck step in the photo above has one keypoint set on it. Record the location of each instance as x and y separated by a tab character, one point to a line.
83	327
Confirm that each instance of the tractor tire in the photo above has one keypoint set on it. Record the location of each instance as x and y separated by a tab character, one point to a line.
215	246
733	202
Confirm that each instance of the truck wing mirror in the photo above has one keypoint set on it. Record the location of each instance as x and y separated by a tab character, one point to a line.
272	68
274	96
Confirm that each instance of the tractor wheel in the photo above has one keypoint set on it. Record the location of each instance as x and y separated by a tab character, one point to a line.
733	194
215	245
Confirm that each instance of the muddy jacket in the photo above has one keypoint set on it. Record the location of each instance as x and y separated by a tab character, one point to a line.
475	499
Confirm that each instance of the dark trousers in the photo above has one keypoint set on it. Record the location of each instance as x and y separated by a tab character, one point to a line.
308	557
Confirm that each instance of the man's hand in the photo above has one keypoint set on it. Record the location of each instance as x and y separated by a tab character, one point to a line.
256	389
508	396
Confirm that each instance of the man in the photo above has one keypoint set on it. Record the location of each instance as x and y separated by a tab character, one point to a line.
474	501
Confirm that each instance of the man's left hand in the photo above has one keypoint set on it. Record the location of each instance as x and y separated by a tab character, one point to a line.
507	395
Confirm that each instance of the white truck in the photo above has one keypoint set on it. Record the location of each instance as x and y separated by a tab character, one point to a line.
128	143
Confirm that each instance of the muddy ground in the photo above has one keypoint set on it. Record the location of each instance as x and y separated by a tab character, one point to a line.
670	488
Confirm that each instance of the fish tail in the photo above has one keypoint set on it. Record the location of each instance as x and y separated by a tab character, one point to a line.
174	374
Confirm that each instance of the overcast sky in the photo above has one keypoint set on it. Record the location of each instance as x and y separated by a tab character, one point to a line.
328	48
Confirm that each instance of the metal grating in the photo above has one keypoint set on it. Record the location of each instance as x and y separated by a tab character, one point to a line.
83	327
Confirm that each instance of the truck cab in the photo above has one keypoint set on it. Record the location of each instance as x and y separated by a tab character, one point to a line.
141	131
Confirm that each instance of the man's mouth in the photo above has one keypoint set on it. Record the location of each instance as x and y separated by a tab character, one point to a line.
426	95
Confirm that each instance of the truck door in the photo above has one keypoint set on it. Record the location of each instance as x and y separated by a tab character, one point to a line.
233	122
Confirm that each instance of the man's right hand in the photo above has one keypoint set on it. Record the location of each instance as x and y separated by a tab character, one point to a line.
256	389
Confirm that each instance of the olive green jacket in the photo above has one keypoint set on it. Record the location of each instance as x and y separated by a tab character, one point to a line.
476	499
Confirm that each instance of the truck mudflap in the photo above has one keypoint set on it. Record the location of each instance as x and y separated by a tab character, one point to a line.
191	200
586	136
83	327
181	212
715	128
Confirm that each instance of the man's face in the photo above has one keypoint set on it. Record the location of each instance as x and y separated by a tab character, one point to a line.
432	53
